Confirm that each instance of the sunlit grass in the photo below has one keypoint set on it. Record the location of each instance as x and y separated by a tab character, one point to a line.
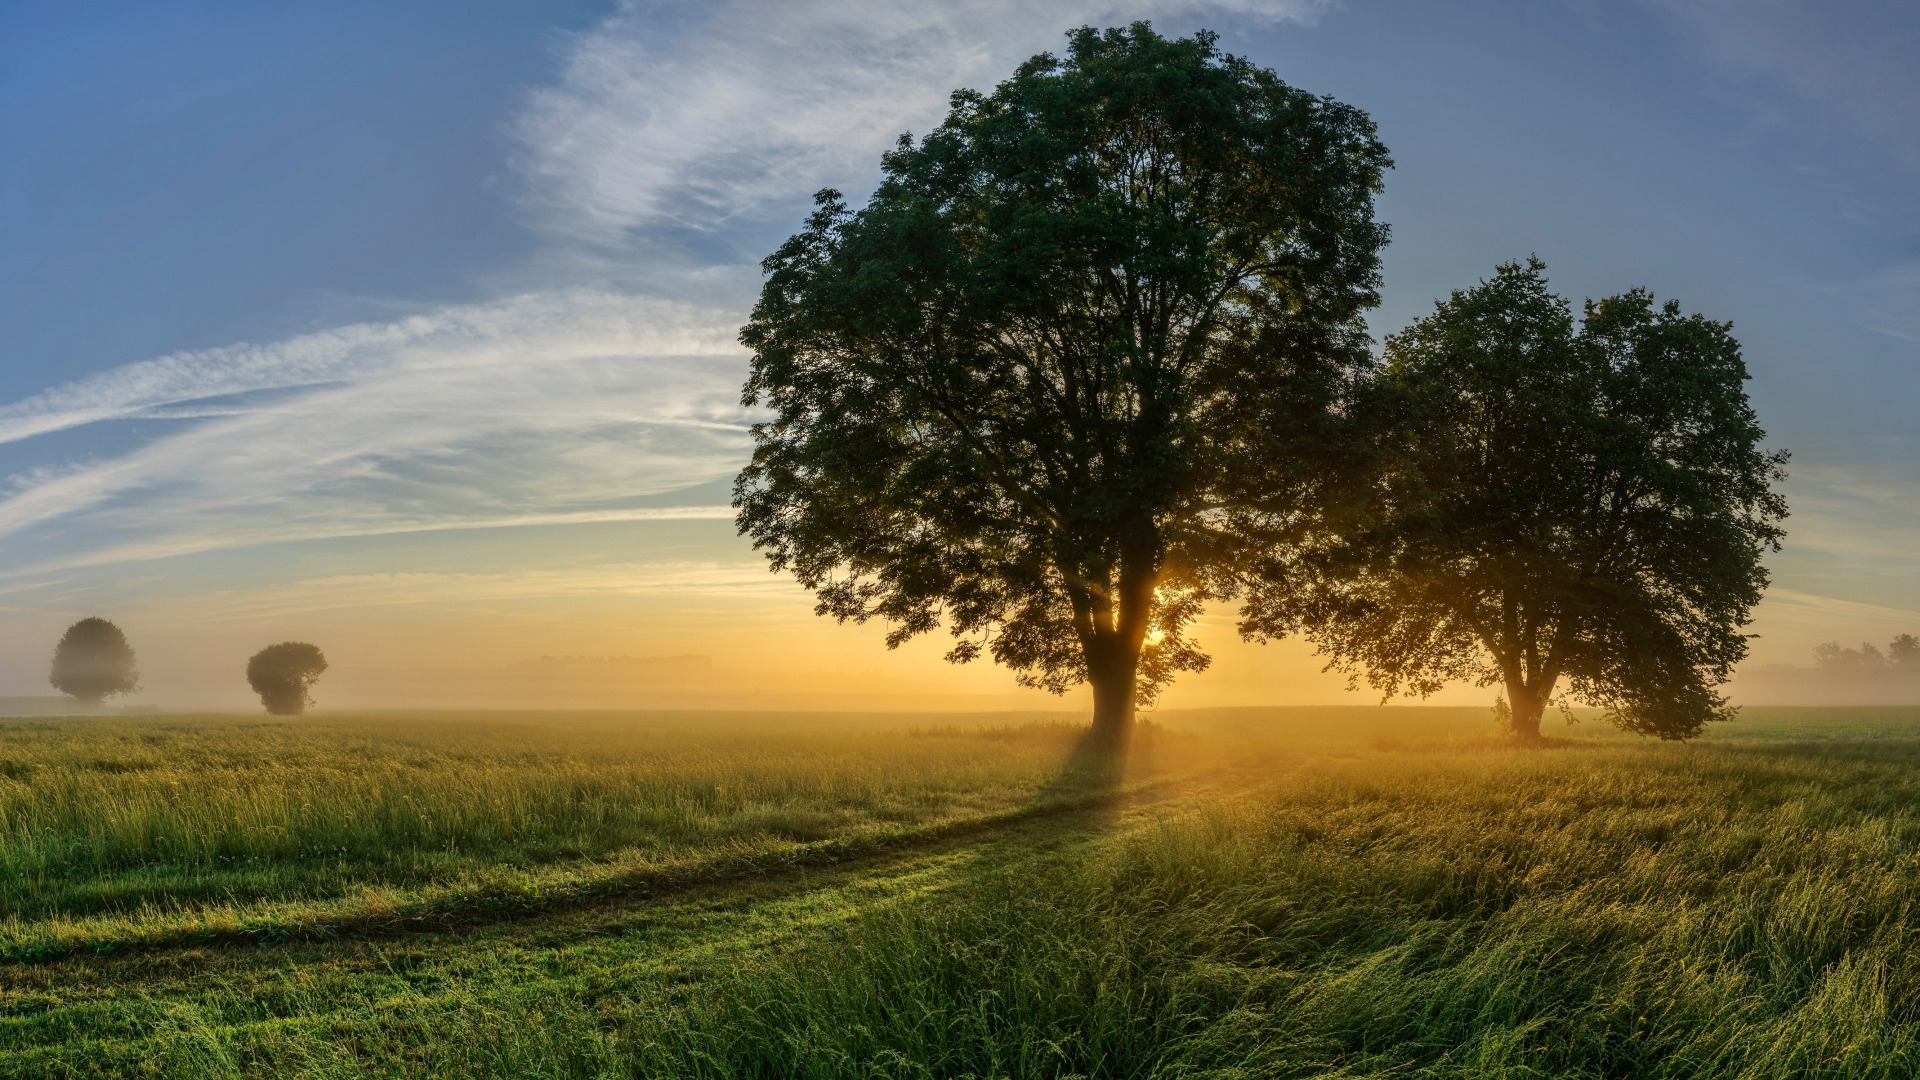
1600	911
115	814
1316	892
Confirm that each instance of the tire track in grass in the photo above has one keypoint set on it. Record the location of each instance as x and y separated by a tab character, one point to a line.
710	921
448	909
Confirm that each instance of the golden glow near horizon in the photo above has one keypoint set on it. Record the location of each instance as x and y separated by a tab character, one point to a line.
454	619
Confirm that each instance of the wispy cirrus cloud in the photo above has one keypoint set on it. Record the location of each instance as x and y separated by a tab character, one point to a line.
756	105
374	590
531	328
538	409
558	405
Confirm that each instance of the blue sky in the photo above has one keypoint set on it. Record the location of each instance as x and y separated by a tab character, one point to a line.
411	325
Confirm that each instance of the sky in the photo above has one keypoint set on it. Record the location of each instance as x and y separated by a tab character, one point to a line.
410	329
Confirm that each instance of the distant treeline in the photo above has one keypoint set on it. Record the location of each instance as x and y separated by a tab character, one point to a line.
1840	675
1902	656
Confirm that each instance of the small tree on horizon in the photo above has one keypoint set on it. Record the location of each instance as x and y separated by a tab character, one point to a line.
93	662
1075	367
1903	652
1556	507
283	674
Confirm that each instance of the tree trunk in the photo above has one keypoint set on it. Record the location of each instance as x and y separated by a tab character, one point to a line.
1527	707
1113	632
1113	686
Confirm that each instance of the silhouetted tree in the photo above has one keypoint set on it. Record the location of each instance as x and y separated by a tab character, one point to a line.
93	662
282	674
1074	364
1904	652
1835	657
1556	506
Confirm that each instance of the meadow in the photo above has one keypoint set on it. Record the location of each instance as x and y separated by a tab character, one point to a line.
1266	892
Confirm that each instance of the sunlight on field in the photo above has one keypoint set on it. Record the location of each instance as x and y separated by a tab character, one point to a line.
1305	891
143	818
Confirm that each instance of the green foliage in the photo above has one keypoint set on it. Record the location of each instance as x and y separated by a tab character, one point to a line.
1074	365
1586	507
283	675
93	661
1502	714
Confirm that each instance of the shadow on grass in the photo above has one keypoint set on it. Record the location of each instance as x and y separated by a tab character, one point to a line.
1097	782
1097	765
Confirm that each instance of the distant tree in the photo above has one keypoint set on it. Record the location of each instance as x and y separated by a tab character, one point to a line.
1832	656
1075	362
1904	652
93	662
282	674
1556	506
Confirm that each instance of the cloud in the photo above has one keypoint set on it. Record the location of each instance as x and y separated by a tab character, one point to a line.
372	590
554	406
756	105
1845	613
1847	569
1855	512
1789	623
539	409
456	337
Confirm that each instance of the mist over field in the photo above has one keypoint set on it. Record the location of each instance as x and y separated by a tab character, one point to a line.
595	682
1841	675
730	681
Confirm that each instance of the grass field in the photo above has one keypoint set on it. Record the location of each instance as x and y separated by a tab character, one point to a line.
1309	892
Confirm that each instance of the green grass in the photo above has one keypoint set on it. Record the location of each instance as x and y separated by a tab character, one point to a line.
118	832
99	815
1354	893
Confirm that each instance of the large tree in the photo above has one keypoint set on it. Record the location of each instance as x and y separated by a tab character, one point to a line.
1075	363
1557	507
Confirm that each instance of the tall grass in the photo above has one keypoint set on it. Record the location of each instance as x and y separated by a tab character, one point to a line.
1631	912
111	814
1743	907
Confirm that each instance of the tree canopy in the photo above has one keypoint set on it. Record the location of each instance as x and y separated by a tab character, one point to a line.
1554	506
93	662
1076	365
283	674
